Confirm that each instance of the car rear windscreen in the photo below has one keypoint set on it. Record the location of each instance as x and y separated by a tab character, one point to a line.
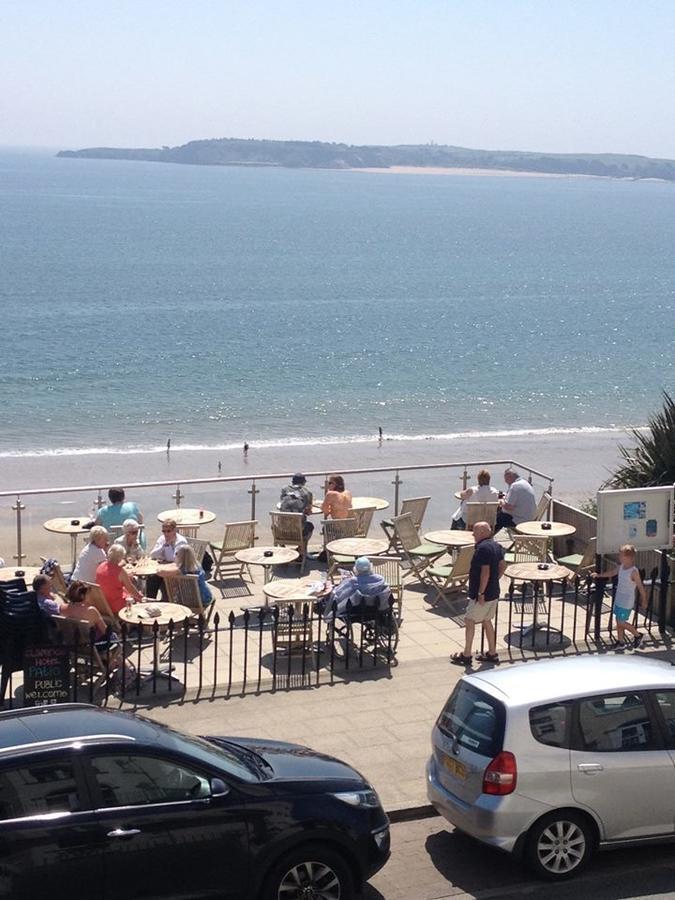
474	719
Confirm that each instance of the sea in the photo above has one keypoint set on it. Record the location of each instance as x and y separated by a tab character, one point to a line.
212	306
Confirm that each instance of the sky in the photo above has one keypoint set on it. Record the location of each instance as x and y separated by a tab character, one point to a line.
551	75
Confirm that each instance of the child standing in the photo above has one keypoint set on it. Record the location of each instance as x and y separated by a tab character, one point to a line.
624	601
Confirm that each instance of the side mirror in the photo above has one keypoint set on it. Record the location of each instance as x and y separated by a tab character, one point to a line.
219	788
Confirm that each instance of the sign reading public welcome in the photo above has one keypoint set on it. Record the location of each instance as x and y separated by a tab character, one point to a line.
46	676
642	517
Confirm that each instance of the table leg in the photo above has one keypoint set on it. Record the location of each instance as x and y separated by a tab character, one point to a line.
73	548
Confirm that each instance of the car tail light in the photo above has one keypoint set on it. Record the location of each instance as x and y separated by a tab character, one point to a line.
501	775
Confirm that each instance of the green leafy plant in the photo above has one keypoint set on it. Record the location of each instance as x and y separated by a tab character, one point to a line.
652	461
590	506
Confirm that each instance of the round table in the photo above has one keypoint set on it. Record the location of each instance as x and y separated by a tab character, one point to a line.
358	503
293	590
530	571
65	525
8	573
169	612
357	547
186	516
255	556
143	567
534	529
451	537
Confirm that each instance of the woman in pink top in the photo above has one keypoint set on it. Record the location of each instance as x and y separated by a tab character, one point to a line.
114	581
337	503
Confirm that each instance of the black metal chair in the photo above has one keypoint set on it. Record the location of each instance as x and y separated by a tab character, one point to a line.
21	625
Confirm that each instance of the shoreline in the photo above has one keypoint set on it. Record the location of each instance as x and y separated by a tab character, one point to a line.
491	173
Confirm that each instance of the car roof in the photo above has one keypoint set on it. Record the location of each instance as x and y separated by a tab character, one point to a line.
61	724
524	684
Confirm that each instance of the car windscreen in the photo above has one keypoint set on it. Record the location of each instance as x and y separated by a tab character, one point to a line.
474	720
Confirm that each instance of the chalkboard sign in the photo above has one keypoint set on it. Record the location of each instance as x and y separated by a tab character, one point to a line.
46	675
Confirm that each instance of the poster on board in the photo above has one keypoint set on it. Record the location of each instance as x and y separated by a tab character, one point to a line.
639	516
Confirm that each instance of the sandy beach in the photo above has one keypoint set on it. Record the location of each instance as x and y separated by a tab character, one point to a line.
447	170
578	462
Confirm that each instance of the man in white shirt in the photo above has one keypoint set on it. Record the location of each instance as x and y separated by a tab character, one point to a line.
92	555
520	503
164	551
481	494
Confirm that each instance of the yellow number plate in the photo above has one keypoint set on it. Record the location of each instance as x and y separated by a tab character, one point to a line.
456	768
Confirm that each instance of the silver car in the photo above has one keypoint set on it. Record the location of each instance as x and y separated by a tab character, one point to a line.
553	760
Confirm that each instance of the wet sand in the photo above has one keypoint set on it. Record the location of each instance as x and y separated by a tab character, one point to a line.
578	462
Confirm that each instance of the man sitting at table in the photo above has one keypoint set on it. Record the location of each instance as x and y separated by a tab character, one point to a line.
48	603
296	497
164	551
118	510
481	494
520	503
91	556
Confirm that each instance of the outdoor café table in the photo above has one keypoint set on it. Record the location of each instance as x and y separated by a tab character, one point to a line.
72	525
255	556
530	571
9	573
358	503
144	567
293	590
357	547
535	529
185	516
138	615
451	538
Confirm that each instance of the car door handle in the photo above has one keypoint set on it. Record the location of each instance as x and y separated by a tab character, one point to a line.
589	768
124	832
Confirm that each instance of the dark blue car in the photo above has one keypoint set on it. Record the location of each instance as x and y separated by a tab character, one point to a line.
97	804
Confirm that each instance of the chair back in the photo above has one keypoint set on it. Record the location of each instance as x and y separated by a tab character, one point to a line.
335	529
389	567
238	536
188	531
405	531
58	579
184	589
77	635
287	529
481	511
529	549
417	507
542	507
462	563
199	546
588	559
97	599
363	518
12	585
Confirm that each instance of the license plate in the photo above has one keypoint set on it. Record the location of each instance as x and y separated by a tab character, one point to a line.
455	768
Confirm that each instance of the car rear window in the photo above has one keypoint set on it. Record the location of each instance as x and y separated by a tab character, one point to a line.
550	724
474	719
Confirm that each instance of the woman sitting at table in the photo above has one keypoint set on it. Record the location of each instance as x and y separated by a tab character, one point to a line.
129	540
337	503
92	555
186	563
76	607
114	580
481	494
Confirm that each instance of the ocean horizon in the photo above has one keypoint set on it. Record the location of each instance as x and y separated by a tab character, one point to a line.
211	306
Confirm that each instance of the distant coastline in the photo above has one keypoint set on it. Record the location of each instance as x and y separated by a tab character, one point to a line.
432	159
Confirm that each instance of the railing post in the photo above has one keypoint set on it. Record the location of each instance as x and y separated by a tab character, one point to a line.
253	491
397	484
18	507
465	479
178	496
99	500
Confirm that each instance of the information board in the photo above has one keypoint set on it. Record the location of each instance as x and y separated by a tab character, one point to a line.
642	517
46	675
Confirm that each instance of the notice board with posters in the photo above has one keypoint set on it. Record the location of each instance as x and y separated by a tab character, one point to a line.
46	675
642	517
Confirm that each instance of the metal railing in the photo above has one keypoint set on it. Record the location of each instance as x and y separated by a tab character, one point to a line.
19	495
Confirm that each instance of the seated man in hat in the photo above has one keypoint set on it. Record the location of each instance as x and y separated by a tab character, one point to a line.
295	497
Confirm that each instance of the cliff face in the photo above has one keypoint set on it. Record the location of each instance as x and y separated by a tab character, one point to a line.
317	155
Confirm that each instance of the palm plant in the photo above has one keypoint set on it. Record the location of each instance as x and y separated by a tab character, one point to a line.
652	461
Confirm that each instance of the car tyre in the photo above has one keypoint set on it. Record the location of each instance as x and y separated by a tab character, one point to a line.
559	845
310	865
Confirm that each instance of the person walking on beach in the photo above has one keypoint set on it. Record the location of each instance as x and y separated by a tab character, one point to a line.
220	467
487	567
519	505
245	448
628	582
380	433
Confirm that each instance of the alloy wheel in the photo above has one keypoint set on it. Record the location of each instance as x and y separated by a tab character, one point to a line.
310	881
561	847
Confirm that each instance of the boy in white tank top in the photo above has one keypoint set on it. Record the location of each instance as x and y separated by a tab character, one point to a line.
624	600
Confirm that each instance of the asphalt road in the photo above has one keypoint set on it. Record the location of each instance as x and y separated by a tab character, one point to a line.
430	861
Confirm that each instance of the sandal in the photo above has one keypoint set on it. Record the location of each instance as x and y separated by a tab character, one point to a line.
460	660
488	657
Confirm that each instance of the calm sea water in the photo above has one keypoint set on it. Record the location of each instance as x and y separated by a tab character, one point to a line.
212	305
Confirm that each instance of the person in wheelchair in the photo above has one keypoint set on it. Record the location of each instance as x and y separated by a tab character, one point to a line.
365	590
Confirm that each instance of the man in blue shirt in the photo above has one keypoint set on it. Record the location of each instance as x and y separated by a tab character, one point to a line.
118	510
487	567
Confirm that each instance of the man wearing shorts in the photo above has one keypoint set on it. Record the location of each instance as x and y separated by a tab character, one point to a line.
487	567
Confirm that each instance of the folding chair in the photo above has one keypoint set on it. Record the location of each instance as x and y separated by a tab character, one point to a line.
580	562
184	589
97	599
451	579
418	555
296	634
363	518
542	507
57	576
287	532
200	547
416	506
237	536
481	511
189	531
527	549
87	657
334	530
389	567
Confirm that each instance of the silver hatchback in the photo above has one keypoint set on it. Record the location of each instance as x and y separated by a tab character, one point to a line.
553	760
